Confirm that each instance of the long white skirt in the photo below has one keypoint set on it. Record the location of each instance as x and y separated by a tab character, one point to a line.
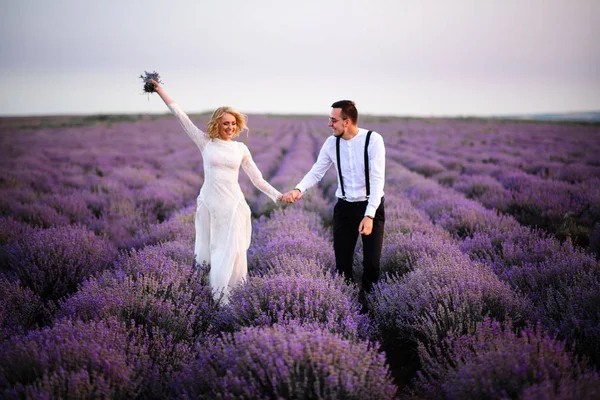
222	239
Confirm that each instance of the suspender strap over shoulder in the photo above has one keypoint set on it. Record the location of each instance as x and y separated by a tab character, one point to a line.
339	165
367	184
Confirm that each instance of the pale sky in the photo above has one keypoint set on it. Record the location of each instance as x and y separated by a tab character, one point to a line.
404	57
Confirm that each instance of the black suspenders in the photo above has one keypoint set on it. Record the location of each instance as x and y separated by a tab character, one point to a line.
367	184
337	152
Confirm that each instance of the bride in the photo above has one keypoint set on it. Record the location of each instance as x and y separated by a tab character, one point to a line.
222	221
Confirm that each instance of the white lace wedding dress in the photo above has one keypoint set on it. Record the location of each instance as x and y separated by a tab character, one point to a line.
223	226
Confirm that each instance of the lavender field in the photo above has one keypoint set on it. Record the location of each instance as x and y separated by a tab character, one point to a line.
491	272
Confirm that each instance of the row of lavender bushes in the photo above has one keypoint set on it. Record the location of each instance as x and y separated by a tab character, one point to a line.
545	175
294	330
435	297
561	280
114	181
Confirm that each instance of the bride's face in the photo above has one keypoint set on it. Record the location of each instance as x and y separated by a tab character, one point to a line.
227	127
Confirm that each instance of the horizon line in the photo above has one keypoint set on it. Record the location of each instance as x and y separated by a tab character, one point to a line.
308	114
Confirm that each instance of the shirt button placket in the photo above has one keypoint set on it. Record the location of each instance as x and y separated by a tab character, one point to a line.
351	164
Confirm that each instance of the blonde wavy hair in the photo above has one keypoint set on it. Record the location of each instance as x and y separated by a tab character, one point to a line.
212	128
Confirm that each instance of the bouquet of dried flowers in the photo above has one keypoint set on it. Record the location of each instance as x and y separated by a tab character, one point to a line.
148	77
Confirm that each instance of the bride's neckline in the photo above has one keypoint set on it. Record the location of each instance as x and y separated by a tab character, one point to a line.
223	141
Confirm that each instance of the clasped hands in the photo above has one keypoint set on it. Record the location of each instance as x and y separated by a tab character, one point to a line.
291	196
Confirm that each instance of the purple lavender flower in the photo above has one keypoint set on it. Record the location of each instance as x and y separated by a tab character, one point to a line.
496	362
287	263
20	309
307	300
287	362
71	205
38	215
291	231
405	250
151	289
55	261
179	227
582	386
73	360
10	230
444	293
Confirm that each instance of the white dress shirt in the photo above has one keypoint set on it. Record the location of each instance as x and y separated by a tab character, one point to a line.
352	158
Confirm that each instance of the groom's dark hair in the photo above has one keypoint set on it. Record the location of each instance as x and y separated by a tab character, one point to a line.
348	110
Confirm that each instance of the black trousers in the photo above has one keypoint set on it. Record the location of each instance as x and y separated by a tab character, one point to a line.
346	219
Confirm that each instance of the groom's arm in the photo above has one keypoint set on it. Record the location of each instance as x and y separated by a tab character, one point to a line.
319	168
313	176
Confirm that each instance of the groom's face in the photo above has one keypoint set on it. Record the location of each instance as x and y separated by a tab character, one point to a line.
336	122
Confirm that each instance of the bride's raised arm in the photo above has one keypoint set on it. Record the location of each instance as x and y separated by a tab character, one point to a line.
161	92
198	136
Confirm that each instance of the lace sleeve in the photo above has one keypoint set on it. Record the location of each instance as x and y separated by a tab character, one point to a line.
199	137
255	175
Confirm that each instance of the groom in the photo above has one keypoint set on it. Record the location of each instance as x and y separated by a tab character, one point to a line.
359	158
